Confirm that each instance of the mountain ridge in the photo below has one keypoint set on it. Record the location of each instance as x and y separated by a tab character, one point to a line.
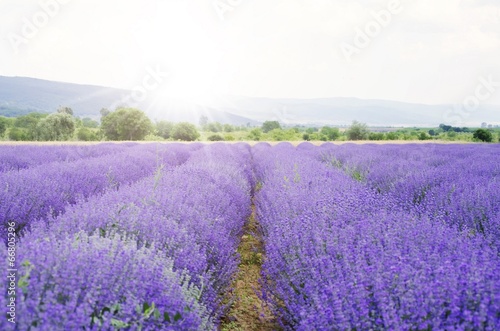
19	95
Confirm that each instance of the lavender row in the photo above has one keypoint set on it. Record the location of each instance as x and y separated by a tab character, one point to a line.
38	193
185	221
340	256
455	184
84	282
17	157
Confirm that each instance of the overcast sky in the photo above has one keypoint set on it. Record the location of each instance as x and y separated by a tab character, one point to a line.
425	51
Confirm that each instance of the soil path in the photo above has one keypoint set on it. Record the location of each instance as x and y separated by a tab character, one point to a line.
248	312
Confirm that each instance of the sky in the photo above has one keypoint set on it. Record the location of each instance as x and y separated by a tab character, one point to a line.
422	51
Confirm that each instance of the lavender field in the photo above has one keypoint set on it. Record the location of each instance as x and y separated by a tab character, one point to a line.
146	236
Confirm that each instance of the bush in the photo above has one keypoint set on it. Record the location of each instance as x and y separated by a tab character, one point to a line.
216	137
185	131
255	135
376	136
126	124
424	136
164	129
278	135
330	133
392	136
57	126
268	126
483	135
152	137
358	131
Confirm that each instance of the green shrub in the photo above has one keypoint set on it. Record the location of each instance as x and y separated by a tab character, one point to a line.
215	137
483	135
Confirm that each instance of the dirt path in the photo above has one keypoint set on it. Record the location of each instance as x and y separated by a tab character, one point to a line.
248	312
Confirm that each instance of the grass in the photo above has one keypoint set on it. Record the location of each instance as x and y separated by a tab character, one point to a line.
248	312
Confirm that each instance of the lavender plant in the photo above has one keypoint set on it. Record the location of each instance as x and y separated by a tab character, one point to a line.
39	193
191	215
145	237
455	184
341	256
92	282
17	157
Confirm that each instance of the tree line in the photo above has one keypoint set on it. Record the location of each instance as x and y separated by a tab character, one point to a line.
121	124
131	124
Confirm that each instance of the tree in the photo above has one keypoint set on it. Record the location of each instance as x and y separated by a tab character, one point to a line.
87	122
126	124
57	126
255	134
228	128
203	121
26	126
65	110
214	127
330	133
104	112
445	128
483	135
164	129
358	131
4	123
423	136
109	127
86	134
18	134
270	125
185	131
278	135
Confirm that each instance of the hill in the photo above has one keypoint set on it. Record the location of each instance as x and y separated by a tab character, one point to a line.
342	111
20	95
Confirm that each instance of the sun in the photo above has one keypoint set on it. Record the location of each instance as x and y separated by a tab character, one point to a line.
182	47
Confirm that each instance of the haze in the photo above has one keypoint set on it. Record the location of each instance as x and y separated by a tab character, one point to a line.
424	51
